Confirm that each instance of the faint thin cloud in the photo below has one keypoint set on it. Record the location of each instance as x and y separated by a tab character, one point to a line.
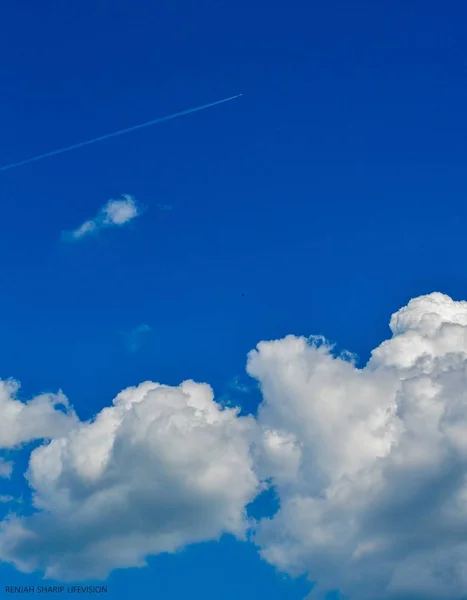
135	338
4	499
237	385
234	387
6	468
114	213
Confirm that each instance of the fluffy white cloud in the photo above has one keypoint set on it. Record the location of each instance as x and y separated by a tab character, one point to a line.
370	465
161	468
119	212
114	213
45	416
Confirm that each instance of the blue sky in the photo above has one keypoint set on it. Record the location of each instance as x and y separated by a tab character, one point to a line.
320	202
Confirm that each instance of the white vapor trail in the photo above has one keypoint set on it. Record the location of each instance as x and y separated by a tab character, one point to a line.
115	134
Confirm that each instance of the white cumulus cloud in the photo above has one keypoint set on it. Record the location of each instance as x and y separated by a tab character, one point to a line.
370	465
43	417
161	468
113	214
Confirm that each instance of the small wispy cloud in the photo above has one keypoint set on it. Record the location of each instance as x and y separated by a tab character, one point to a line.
4	499
6	468
8	499
165	207
238	386
233	388
114	213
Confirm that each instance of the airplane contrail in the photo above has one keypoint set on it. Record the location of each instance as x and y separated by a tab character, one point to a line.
115	134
